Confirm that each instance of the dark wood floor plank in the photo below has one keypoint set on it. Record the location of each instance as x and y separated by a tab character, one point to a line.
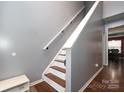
62	54
110	79
57	60
43	87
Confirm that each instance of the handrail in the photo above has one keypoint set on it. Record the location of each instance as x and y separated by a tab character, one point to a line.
69	43
62	30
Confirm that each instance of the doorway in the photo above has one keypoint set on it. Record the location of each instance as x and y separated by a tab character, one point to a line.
116	44
110	79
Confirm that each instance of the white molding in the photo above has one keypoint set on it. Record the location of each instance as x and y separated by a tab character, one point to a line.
36	82
50	42
68	70
90	80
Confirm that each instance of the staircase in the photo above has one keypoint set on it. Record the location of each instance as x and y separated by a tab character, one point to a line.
54	74
59	75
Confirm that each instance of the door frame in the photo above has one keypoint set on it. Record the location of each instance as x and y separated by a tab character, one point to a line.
105	39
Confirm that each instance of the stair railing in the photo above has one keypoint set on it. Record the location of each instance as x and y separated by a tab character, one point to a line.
62	30
70	42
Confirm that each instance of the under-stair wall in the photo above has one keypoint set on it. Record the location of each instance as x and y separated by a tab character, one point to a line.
84	49
26	27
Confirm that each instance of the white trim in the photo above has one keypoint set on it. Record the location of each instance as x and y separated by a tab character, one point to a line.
36	82
50	42
116	36
90	80
106	46
68	70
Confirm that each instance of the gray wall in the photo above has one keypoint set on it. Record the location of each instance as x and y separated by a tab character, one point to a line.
25	28
87	51
88	5
111	8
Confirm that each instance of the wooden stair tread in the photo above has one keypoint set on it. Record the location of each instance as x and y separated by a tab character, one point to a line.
56	79
58	68
44	87
58	60
64	49
62	54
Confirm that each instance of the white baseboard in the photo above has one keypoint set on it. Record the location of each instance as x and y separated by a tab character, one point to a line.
105	64
90	80
36	82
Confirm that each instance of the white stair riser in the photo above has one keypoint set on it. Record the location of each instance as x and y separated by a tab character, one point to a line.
54	84
59	64
63	52
57	73
61	57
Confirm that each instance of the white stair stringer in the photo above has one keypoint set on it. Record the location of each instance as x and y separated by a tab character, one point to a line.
56	86
57	73
60	56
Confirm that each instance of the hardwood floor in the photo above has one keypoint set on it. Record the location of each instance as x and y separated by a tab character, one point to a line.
42	87
110	79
